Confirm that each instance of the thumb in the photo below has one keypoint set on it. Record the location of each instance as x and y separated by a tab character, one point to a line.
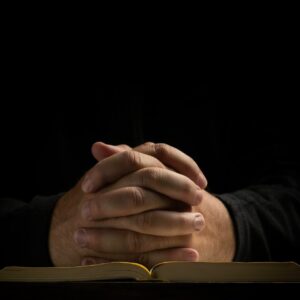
101	150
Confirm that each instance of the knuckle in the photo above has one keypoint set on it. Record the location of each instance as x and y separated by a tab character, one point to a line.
190	166
161	150
151	175
187	188
134	243
149	144
132	158
124	146
137	196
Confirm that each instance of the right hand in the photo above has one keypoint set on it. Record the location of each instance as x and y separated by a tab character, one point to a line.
134	183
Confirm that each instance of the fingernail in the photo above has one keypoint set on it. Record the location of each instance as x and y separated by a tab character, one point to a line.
88	261
199	222
87	185
80	238
86	211
198	197
191	255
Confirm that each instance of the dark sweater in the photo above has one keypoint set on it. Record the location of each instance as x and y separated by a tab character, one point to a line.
246	148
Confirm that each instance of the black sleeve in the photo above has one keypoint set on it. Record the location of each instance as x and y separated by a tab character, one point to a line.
267	223
24	231
266	213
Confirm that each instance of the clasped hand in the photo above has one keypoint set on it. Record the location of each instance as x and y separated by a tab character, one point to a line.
146	205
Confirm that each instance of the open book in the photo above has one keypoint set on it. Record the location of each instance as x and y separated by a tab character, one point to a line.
167	271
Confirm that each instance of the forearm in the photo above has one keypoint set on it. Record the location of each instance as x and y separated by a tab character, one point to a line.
24	231
266	219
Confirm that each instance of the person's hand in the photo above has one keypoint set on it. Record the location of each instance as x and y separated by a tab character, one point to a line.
215	243
140	183
169	156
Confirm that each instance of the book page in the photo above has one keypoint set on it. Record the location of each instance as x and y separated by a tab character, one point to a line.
105	271
227	272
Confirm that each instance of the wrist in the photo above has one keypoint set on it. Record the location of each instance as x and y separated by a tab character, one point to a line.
218	237
61	246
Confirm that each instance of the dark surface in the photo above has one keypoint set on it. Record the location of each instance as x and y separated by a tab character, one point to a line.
147	290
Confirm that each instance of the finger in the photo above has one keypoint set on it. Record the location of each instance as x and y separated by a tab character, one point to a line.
126	201
150	259
168	155
101	150
116	166
159	223
175	159
116	241
163	181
